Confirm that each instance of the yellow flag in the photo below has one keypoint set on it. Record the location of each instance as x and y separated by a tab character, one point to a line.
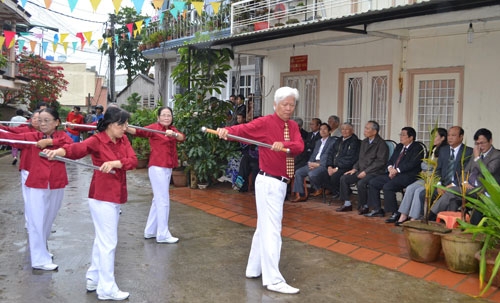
54	46
47	3
65	46
12	43
198	5
157	4
215	6
138	24
116	4
33	46
99	43
95	4
62	37
88	36
2	40
108	40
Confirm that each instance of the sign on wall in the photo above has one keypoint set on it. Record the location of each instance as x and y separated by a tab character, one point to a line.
298	63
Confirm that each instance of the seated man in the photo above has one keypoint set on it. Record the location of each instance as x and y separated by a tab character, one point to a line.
343	155
403	169
373	154
483	151
316	168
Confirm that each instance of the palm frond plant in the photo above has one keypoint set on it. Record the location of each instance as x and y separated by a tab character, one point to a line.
488	203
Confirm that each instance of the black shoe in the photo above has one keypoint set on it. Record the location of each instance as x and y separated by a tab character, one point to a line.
14	162
344	208
375	213
394	218
363	210
400	223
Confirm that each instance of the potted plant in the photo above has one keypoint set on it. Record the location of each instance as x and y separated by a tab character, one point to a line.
206	156
459	248
3	63
292	21
488	203
423	237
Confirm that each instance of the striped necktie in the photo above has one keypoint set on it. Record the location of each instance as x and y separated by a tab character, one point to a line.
290	165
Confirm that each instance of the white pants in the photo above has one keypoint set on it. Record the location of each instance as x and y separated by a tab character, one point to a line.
157	223
105	216
266	243
41	209
25	191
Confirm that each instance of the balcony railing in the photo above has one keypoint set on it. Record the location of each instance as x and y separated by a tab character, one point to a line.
254	15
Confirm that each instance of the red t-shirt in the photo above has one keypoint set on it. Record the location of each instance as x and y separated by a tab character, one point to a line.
43	173
106	187
270	129
163	148
76	119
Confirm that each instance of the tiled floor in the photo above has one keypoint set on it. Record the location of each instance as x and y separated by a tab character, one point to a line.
318	224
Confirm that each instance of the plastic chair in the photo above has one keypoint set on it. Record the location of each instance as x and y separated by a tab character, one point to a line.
450	218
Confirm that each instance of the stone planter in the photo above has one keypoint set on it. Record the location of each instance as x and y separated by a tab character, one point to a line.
459	250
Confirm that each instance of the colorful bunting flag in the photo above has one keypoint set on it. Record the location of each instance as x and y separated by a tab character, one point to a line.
215	6
99	43
88	36
95	4
138	5
116	4
56	38
33	46
65	46
20	44
9	36
54	47
48	3
2	40
74	46
138	25
45	44
157	4
198	6
63	37
72	4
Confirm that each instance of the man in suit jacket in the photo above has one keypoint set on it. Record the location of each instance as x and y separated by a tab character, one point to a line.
373	155
343	156
450	176
403	169
316	168
483	151
309	143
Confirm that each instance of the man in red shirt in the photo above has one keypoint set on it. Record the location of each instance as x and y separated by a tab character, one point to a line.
75	117
270	185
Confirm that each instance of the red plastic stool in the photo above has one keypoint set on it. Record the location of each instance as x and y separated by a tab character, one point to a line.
450	218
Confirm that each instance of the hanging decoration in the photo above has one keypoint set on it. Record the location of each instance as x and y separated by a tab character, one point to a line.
95	4
48	3
9	36
138	5
72	4
116	4
32	46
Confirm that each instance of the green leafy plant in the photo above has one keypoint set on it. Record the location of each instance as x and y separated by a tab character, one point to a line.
489	226
140	117
201	73
292	21
3	61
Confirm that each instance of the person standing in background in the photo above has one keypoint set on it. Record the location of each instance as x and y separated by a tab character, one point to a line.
17	118
76	118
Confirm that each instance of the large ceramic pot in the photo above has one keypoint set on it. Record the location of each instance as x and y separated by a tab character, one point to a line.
459	250
179	178
423	245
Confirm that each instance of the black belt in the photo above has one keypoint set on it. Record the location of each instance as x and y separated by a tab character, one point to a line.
282	179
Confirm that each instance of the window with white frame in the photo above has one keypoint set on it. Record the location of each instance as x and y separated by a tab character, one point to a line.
366	98
435	98
308	86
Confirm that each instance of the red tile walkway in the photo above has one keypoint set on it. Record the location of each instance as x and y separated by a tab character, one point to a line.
315	223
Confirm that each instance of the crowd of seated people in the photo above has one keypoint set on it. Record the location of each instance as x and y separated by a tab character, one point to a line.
335	161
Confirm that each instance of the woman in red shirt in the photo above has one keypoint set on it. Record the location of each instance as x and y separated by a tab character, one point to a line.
163	158
110	150
45	185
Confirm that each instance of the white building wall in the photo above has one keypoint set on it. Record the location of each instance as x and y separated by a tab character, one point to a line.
81	83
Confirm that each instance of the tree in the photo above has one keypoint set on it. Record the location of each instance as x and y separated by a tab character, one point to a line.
47	82
130	58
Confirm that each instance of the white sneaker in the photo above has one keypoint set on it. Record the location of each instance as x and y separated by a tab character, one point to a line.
283	288
117	296
50	266
170	240
91	285
149	236
224	179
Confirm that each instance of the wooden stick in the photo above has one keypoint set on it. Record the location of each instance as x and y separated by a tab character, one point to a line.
66	160
241	139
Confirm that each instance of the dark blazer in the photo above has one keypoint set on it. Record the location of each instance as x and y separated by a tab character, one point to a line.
344	153
309	143
324	153
443	162
410	163
372	156
492	162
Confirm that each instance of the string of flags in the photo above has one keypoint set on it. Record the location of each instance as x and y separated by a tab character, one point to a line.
179	8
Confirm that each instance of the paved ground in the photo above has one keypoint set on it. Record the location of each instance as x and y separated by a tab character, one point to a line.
207	265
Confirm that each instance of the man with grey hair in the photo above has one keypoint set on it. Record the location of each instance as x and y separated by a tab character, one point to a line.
276	171
334	122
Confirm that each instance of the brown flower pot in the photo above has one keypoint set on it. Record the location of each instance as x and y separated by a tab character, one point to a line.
423	246
179	178
142	163
459	250
490	262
